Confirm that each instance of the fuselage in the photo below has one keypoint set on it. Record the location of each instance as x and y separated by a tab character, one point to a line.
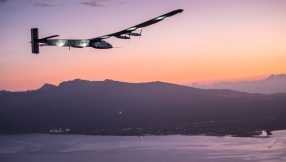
77	43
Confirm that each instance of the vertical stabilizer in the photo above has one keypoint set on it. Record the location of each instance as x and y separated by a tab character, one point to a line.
34	40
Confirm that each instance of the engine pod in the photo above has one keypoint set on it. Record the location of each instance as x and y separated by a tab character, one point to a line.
101	45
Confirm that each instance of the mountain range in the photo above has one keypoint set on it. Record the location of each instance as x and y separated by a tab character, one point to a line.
113	104
270	85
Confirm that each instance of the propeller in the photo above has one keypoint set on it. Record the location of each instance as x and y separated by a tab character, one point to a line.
128	39
140	34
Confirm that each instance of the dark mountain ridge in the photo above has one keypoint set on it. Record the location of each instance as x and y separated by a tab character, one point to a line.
113	104
47	87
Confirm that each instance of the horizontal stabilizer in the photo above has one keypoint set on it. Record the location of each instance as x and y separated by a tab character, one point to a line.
49	37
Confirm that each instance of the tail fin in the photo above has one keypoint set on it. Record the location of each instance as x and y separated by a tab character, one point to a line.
34	40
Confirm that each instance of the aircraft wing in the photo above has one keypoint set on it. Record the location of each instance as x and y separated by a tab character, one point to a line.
142	25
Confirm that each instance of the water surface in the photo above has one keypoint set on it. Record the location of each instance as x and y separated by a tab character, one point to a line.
81	148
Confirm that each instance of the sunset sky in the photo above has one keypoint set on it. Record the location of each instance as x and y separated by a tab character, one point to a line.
211	41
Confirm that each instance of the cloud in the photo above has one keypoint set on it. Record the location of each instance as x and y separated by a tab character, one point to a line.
43	4
2	1
121	3
94	3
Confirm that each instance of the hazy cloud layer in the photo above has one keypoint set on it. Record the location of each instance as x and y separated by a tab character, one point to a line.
53	3
94	3
270	85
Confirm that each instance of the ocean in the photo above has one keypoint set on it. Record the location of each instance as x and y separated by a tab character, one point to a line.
174	148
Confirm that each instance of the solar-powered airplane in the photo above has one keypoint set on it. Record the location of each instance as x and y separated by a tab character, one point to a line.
97	42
